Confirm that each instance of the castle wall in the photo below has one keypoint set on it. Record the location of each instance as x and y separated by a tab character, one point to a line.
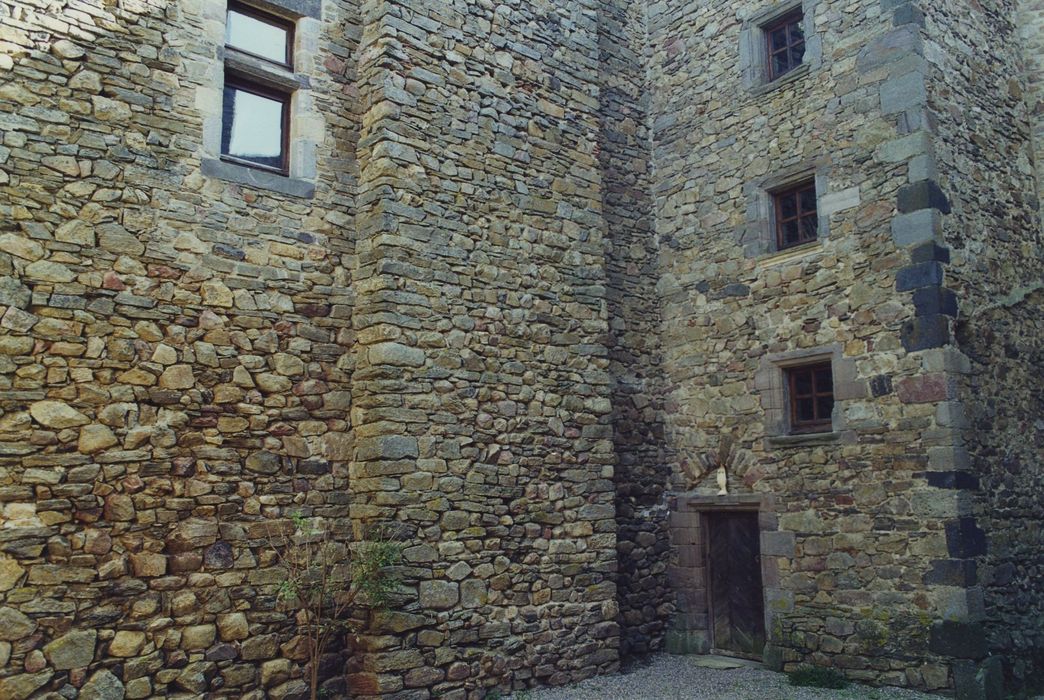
175	354
1003	345
481	398
855	561
983	96
523	284
1029	20
643	591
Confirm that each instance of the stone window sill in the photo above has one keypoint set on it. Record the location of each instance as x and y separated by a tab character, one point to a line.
260	179
782	257
803	440
794	75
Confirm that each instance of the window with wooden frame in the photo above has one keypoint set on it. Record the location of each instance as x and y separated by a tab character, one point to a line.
255	128
260	34
810	390
785	44
796	215
255	125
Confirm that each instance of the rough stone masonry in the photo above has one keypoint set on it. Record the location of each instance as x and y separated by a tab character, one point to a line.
516	284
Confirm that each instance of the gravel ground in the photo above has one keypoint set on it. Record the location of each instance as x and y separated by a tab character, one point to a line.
680	678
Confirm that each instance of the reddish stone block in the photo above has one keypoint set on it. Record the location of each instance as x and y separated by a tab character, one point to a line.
364	683
925	389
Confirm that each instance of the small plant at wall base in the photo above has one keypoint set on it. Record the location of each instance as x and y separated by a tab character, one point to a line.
324	580
817	677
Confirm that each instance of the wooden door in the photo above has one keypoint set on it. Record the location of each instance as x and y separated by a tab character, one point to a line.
737	602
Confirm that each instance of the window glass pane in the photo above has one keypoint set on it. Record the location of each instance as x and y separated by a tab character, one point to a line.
788	206
802	383
809	227
808	199
797	54
825	406
258	37
804	408
824	380
790	233
252	127
797	32
779	63
778	39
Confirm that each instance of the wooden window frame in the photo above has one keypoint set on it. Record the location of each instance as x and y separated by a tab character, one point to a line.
779	221
254	87
787	21
275	20
818	424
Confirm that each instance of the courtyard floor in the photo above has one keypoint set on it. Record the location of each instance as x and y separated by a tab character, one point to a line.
683	678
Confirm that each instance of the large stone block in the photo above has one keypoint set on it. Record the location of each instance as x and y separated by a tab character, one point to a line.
23	685
72	650
962	640
395	354
14	625
103	685
387	447
56	414
439	595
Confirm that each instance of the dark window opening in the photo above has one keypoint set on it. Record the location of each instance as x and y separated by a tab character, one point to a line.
797	219
785	39
259	34
811	393
255	125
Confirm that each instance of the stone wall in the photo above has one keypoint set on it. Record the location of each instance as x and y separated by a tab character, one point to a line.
1029	22
996	270
632	267
1006	357
532	285
481	398
175	355
863	578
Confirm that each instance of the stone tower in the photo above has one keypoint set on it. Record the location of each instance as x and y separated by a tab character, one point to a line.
901	543
515	280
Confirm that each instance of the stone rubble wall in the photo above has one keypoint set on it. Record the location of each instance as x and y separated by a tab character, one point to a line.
859	523
1029	22
481	398
175	357
530	289
1007	438
991	175
632	260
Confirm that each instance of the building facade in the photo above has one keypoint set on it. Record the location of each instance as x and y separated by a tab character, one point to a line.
604	308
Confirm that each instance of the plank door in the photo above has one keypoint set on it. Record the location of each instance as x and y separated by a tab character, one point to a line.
737	601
